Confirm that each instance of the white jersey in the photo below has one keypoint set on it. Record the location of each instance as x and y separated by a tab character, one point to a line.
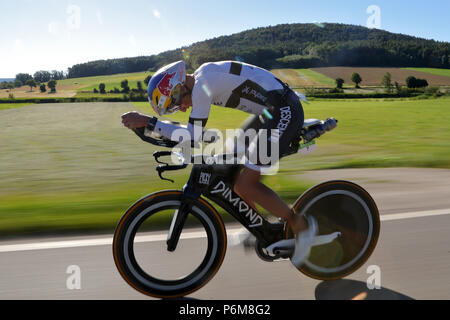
228	84
234	85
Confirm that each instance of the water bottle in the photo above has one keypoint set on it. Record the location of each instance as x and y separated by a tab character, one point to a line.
316	131
330	124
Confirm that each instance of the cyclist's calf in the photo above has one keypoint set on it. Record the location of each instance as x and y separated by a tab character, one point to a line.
249	187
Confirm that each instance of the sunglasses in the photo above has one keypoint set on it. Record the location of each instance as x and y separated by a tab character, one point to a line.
176	97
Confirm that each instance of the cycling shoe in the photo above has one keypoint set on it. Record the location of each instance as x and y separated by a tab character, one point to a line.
244	238
303	242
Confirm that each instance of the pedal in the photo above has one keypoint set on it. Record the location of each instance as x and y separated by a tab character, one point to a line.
242	238
282	246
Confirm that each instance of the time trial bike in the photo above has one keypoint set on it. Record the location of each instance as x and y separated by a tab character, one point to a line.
171	243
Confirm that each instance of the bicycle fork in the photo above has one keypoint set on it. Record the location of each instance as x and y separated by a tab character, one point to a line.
178	221
180	216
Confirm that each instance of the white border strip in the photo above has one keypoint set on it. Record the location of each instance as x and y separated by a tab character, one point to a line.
186	235
417	214
98	242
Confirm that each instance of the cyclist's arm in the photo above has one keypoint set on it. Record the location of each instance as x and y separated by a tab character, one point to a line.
193	131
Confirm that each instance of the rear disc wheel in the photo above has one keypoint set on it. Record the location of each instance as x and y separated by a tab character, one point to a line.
344	207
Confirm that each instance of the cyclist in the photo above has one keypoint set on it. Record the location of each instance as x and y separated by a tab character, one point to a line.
241	86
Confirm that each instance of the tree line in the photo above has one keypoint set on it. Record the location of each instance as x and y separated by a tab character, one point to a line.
386	82
38	79
125	88
41	76
291	46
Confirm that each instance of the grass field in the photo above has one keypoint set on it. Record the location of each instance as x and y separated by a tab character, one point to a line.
76	86
299	78
5	106
439	72
73	167
111	81
373	76
317	77
25	92
296	78
383	134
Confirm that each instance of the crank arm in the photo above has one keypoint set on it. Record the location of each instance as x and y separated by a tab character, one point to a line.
325	239
290	243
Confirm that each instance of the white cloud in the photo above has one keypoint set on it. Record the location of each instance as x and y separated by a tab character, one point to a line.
156	13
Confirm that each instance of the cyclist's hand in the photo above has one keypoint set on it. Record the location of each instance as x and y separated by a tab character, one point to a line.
133	120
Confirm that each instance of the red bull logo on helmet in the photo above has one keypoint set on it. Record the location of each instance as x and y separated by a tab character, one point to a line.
165	85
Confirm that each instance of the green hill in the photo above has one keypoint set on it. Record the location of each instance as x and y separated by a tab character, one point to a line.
292	46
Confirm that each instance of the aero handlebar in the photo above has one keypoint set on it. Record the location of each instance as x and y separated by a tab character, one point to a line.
157	142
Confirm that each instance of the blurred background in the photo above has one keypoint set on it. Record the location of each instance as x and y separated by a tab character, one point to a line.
70	69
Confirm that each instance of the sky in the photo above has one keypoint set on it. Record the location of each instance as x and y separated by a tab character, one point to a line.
56	34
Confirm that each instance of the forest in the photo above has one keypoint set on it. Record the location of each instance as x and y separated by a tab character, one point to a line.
291	46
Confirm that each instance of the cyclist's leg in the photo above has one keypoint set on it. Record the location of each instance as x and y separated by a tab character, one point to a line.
250	188
248	184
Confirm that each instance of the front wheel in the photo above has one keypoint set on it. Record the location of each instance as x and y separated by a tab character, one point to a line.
344	208
141	254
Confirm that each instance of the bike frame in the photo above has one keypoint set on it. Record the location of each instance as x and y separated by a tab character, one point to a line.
216	183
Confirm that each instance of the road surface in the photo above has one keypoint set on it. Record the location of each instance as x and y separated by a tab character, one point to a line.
413	253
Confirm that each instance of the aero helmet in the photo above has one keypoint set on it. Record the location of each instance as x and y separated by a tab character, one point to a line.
164	88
